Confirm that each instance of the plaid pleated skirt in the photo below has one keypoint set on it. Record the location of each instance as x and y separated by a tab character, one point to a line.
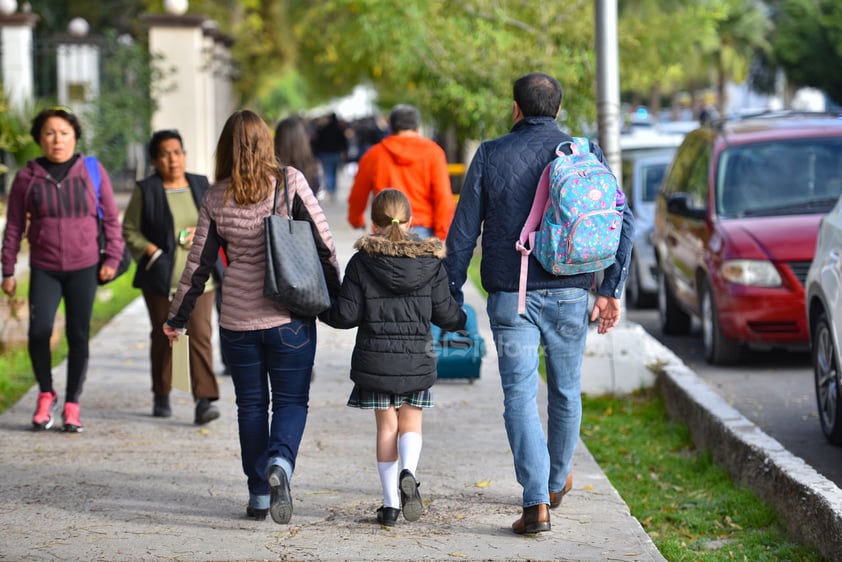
369	400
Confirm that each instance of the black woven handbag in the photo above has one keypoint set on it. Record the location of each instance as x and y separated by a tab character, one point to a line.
294	275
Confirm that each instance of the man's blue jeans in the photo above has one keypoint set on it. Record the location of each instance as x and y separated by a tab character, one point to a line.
275	364
556	321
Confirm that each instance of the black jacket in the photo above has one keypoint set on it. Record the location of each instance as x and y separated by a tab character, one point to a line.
157	226
392	291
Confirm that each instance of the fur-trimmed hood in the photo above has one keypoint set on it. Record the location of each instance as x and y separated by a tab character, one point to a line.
412	247
404	266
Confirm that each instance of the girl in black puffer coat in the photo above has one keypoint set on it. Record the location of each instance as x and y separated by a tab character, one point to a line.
394	288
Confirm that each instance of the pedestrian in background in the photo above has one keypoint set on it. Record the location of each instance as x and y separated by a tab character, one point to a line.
394	287
270	351
415	165
159	225
331	148
292	147
495	200
54	201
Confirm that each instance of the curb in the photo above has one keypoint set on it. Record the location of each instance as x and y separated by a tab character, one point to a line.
809	504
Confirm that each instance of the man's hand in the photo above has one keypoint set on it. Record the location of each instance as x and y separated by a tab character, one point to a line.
606	311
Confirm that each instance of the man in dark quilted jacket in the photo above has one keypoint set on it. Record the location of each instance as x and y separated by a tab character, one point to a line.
495	200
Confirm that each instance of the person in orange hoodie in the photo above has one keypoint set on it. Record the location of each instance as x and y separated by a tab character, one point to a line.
412	164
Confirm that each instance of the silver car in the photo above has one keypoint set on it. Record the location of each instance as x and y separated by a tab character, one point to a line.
824	314
645	160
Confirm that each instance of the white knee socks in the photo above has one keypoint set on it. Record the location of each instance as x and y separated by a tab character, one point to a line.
389	481
409	447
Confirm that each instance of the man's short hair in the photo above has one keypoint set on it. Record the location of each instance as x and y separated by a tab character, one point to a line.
404	117
538	94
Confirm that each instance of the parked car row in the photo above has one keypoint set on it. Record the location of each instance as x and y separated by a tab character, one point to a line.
735	230
746	236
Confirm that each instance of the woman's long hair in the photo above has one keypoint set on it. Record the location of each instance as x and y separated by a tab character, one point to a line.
292	148
390	209
245	154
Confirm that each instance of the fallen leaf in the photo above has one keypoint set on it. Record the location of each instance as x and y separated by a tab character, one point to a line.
483	484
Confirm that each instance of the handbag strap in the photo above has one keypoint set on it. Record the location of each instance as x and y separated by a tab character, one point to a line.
286	195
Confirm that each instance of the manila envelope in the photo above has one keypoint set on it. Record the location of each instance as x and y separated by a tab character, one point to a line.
181	363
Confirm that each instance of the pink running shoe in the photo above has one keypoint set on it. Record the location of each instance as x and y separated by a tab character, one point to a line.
72	423
43	418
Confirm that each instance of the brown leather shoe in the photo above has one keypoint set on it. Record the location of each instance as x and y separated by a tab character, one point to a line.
555	497
535	519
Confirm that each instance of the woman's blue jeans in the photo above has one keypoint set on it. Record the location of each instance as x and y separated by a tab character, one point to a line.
556	322
271	366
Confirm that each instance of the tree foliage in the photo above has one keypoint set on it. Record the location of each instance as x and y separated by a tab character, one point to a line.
263	47
457	59
122	113
454	59
671	45
808	43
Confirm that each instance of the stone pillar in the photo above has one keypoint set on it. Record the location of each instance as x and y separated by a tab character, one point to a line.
16	63
78	74
224	73
177	44
221	72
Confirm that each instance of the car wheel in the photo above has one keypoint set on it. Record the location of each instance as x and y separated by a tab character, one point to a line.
826	374
673	319
719	350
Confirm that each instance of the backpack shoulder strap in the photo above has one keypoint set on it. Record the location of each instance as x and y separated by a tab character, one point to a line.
583	144
526	240
93	171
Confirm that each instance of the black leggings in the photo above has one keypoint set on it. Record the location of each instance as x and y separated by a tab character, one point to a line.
46	289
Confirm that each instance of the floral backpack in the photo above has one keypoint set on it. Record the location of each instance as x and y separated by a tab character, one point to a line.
576	217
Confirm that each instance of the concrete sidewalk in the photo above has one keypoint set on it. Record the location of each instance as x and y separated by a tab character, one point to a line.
133	487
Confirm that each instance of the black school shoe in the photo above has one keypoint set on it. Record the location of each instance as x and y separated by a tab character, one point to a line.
387	516
280	507
410	498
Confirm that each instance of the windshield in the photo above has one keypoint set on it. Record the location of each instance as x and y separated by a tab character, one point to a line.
779	178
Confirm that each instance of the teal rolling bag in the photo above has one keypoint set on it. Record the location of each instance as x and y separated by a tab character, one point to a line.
459	354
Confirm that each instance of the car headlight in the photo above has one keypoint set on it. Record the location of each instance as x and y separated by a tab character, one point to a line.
751	272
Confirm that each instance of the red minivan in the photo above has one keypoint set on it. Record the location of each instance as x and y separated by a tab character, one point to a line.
735	229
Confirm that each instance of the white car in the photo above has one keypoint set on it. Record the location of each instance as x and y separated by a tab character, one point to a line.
824	314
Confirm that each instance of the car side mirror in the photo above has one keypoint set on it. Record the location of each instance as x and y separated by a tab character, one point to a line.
681	204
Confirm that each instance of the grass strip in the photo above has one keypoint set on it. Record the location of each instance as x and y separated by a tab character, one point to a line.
688	505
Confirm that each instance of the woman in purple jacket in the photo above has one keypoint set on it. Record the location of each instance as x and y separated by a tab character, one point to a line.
55	194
